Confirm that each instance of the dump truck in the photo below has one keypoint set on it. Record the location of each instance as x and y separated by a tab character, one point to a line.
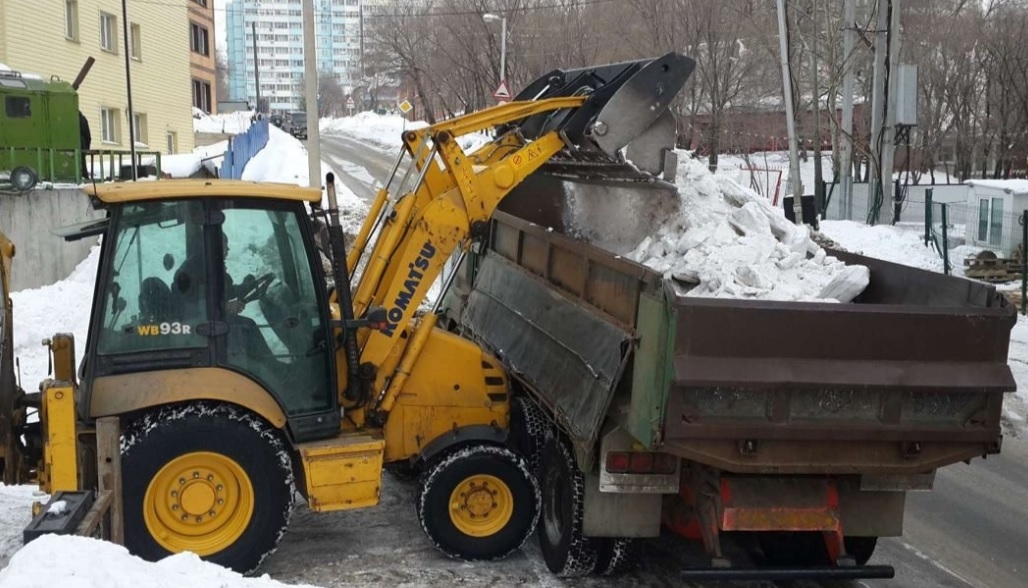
796	426
240	371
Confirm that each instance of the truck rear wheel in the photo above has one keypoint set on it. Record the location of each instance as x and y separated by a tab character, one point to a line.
567	552
861	548
207	478
616	556
528	430
478	502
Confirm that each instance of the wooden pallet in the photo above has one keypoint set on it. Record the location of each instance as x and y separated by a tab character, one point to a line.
993	269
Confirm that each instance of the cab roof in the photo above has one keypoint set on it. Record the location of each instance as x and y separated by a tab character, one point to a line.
120	193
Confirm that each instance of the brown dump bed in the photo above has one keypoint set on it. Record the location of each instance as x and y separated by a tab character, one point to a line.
908	378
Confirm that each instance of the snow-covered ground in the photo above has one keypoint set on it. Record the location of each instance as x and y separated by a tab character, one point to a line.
87	563
232	122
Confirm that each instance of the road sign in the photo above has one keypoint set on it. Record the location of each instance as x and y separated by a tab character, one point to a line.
405	107
502	93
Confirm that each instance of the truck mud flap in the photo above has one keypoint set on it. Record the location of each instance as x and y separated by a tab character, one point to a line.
785	574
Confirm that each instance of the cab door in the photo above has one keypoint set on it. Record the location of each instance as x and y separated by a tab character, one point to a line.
271	294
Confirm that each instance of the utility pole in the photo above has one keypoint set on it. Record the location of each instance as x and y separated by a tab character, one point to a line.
128	89
891	102
818	172
256	66
790	122
877	172
310	75
846	156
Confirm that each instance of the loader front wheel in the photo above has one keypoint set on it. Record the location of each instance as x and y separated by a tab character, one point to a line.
207	478
478	502
568	553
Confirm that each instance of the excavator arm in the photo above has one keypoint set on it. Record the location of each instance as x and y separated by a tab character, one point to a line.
588	116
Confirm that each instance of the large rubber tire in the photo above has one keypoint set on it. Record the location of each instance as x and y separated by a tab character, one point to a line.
567	552
616	556
529	429
478	503
180	458
861	548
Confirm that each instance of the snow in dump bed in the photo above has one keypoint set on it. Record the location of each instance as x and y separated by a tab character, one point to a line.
728	242
79	562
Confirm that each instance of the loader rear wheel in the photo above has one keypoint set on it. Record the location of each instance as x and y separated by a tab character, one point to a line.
478	502
207	478
567	552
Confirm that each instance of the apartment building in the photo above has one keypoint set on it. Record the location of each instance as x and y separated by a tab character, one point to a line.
55	37
203	65
280	59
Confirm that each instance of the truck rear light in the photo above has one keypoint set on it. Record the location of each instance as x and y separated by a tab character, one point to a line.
617	462
664	463
641	462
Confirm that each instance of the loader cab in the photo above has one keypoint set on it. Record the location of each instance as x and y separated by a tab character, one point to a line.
228	283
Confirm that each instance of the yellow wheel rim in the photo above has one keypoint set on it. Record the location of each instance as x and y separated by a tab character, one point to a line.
481	505
200	502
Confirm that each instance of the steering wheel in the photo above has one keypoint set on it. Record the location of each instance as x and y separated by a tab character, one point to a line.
256	289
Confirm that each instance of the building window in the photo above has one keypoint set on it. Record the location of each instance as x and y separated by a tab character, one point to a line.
202	95
172	143
139	122
71	19
201	3
108	125
198	39
136	36
108	32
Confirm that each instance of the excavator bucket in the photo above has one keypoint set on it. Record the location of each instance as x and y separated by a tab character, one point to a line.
624	131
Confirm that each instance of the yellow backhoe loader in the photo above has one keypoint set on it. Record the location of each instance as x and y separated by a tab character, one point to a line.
239	375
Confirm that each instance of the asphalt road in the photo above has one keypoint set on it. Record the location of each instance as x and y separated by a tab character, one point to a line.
971	530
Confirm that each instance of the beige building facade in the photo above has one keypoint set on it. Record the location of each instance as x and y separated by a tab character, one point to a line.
202	62
55	37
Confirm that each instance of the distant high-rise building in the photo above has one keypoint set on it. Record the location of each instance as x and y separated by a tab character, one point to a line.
279	25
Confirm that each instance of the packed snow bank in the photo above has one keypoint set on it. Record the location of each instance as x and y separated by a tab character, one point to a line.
15	513
728	242
284	160
232	122
79	562
385	131
58	308
382	130
895	244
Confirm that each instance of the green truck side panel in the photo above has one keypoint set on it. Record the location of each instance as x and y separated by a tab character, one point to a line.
652	369
47	138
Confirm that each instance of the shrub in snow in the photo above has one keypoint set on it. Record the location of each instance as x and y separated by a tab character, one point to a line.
729	242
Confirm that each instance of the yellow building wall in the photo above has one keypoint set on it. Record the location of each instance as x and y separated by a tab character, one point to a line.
33	40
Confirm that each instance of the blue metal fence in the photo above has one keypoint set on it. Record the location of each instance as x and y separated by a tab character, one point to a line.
242	148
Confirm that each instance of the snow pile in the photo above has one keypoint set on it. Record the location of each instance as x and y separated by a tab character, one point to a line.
728	242
385	131
382	130
232	122
79	562
284	160
15	513
39	313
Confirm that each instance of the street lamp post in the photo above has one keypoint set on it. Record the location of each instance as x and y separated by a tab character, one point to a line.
490	17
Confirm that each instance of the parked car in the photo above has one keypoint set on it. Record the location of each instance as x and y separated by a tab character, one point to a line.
276	119
295	123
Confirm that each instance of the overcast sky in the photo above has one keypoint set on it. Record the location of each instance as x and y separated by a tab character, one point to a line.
219	26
